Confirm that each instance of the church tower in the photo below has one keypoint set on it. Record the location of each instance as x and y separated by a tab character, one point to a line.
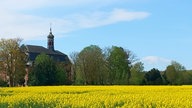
50	41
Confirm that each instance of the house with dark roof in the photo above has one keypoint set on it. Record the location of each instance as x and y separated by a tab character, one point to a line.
32	51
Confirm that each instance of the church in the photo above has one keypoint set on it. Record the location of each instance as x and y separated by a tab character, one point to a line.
32	51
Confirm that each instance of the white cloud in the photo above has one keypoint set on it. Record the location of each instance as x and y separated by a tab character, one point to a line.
106	18
15	23
155	60
32	4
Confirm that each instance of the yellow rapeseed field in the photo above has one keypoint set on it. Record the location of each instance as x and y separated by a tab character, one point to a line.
97	97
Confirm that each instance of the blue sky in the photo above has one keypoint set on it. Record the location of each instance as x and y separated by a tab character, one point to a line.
156	31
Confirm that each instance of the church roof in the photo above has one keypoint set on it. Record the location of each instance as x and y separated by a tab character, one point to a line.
33	51
41	49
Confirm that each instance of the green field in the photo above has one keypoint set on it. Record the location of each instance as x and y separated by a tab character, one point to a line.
97	97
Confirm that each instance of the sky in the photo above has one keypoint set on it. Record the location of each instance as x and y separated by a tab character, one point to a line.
156	31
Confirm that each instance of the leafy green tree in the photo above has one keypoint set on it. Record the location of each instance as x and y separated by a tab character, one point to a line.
119	65
187	77
12	61
174	73
178	67
137	73
171	74
44	71
89	66
61	77
153	77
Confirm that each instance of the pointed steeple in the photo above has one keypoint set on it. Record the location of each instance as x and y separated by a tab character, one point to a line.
50	30
50	40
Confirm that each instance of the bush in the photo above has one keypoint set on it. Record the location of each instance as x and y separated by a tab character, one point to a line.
3	83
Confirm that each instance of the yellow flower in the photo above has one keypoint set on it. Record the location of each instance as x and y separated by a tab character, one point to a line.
97	96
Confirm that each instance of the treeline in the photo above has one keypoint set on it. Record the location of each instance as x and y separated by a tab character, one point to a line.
91	66
118	66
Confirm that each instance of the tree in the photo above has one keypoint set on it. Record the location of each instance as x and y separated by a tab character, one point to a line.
12	61
119	65
175	73
153	77
137	73
61	77
44	71
178	67
171	74
47	72
187	77
89	68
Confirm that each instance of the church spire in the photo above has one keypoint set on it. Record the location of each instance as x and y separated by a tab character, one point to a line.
50	28
50	40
